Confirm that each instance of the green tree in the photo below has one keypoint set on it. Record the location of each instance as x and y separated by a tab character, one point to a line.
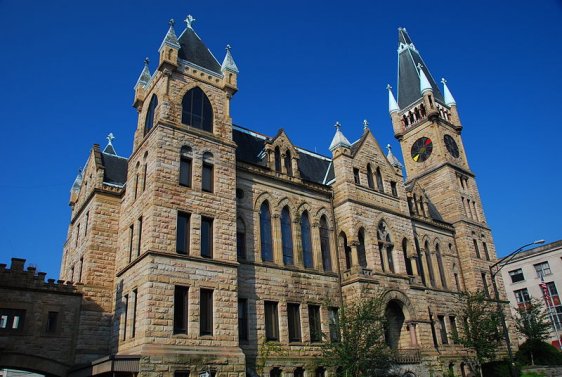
361	349
532	322
481	328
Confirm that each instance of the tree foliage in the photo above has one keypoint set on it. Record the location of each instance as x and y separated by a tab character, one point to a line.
481	328
361	350
532	322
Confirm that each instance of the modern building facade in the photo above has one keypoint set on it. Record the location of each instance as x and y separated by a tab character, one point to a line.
537	273
217	249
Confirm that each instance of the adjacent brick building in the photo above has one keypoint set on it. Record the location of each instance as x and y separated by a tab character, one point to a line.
211	241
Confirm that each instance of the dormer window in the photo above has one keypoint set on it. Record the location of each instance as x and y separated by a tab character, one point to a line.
149	121
197	110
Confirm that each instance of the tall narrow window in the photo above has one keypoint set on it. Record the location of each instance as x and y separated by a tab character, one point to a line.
356	176
370	181
240	239
419	260
180	309
271	321
149	121
206	312
476	249
197	110
288	163
333	318
294	322
265	233
443	329
325	244
380	185
485	285
137	178
429	264
242	319
139	243
207	177
287	237
407	260
347	250
440	266
131	238
80	267
277	157
454	330
185	166
86	223
182	233
486	252
386	246
361	248
134	320
314	323
125	315
206	237
77	236
144	173
394	189
306	241
52	319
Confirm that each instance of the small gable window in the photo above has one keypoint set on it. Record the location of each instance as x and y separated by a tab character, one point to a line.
149	121
197	110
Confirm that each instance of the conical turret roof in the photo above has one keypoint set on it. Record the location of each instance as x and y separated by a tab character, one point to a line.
449	99
170	39
228	62
339	139
408	72
144	77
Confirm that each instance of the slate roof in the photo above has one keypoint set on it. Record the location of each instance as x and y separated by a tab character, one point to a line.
115	171
194	50
312	166
408	78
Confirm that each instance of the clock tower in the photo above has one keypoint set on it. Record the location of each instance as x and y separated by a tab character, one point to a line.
426	122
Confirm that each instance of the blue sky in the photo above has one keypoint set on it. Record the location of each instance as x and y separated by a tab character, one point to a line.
69	68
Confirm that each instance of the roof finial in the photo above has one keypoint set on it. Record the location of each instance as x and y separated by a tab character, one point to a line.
365	125
171	22
388	87
228	48
443	81
110	138
189	20
337	125
146	61
447	96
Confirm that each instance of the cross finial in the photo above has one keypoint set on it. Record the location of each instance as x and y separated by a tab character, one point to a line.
228	47
443	80
171	22
388	147
337	125
388	87
419	66
146	61
365	124
189	20
110	138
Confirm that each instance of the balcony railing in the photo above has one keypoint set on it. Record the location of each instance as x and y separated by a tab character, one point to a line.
407	356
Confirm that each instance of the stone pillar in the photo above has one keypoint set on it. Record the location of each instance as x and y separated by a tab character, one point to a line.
383	255
297	244
412	331
414	264
276	233
316	250
436	270
354	253
425	268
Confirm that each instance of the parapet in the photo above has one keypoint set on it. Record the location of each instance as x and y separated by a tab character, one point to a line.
18	277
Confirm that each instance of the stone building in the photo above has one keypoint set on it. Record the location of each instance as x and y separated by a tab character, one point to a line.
212	241
537	273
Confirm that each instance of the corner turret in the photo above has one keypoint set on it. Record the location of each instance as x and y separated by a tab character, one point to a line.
169	49
142	83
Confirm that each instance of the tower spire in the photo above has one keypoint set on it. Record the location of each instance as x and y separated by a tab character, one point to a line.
392	104
170	39
425	86
145	76
228	63
339	139
410	74
449	99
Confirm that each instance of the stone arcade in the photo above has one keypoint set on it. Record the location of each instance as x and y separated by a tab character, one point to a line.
211	239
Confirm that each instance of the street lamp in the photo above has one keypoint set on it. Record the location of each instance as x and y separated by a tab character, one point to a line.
498	266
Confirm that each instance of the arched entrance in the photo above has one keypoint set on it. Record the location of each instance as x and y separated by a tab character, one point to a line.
394	324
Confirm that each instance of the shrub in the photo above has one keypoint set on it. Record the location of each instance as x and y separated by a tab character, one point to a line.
542	354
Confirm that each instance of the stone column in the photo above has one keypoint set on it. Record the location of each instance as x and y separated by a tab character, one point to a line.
412	331
276	233
384	261
297	244
354	253
316	250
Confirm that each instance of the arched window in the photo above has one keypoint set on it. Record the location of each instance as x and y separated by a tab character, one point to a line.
149	120
347	250
380	185
429	264
370	182
440	266
361	248
409	269
185	166
325	244
419	260
277	156
137	178
385	245
197	110
240	238
145	169
287	237
288	163
476	249
207	176
265	233
306	241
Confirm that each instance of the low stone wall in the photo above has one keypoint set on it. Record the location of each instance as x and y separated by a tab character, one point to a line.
547	371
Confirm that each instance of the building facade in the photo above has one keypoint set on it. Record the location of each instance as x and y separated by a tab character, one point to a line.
217	249
537	273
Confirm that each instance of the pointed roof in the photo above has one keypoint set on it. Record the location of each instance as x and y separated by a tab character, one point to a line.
228	63
392	158
449	100
408	72
392	104
194	50
77	182
145	76
170	39
339	139
109	147
425	86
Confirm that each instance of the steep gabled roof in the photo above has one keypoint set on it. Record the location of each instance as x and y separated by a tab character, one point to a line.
115	169
194	51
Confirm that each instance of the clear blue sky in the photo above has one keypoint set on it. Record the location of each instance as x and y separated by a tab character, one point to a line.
69	67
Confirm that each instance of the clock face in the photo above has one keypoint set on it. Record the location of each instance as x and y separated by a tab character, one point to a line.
422	148
452	146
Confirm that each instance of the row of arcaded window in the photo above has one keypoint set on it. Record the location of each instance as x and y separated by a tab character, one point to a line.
197	111
186	169
374	177
477	248
287	246
283	161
